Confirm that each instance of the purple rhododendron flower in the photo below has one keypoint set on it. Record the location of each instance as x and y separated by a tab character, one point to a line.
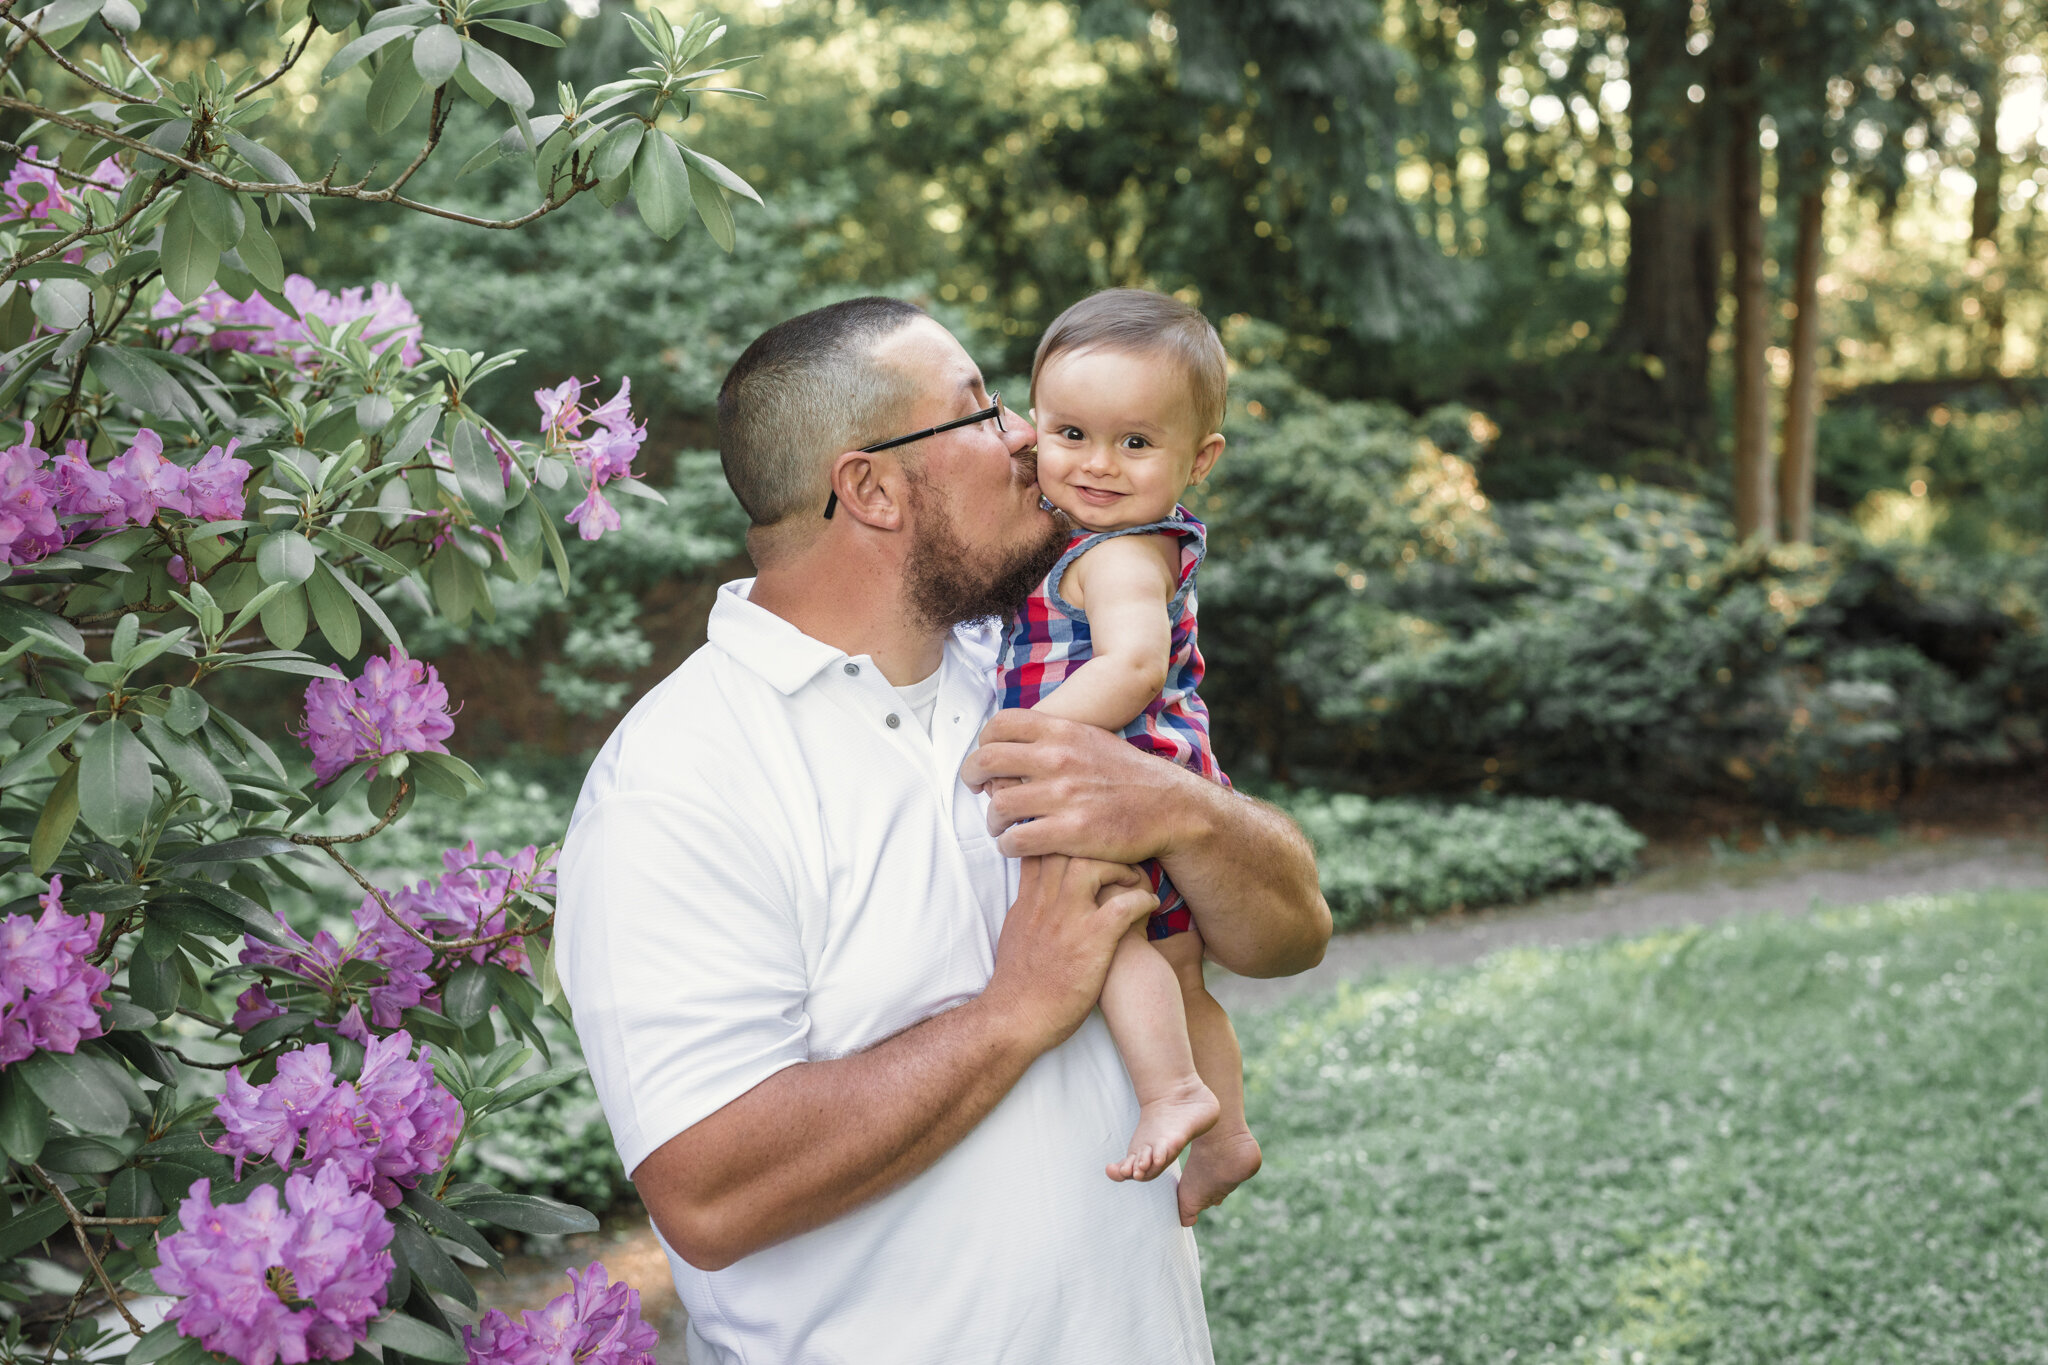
473	897
85	492
595	1323
602	457
399	705
28	502
17	201
391	1125
50	996
260	327
146	482
403	984
265	1281
215	484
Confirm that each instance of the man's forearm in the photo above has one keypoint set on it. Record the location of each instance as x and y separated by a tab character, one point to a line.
815	1141
1250	877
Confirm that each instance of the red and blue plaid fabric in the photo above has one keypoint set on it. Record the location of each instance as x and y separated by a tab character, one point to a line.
1049	639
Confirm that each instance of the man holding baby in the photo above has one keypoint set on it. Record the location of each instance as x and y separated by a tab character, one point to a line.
834	929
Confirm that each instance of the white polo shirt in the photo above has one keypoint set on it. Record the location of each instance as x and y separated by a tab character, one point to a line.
772	863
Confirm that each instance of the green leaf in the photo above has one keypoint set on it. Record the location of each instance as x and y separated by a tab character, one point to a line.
285	557
24	1118
28	761
81	1156
114	789
334	611
237	850
398	1332
468	995
496	75
370	608
444	1222
615	153
432	1265
54	826
367	551
526	31
153	982
713	208
284	621
266	162
521	1091
259	253
63	304
188	711
133	378
661	185
25	1230
436	53
187	258
187	760
717	171
78	1090
477	471
393	93
17	617
156	1343
357	51
216	212
528	1213
335	15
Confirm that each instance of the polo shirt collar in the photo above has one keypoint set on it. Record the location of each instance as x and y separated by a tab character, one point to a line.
764	642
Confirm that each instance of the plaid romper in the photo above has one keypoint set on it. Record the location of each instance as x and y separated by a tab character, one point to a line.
1049	639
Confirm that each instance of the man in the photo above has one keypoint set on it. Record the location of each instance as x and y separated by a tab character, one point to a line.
845	1044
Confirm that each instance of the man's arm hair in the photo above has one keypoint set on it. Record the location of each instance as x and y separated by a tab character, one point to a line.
817	1140
1247	871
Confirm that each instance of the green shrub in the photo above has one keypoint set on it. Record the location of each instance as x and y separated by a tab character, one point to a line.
1384	859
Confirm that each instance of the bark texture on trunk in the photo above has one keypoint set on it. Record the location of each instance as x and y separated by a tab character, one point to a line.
1755	491
1985	208
1795	460
1669	307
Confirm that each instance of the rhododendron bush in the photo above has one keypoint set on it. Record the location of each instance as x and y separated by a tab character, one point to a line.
227	1136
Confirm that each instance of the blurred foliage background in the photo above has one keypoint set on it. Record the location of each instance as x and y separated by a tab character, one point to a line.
1635	403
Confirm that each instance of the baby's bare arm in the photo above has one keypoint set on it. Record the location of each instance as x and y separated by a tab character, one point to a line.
1124	585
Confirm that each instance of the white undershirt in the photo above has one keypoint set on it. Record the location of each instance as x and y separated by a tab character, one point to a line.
923	699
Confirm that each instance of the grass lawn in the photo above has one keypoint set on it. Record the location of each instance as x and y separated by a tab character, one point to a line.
1812	1140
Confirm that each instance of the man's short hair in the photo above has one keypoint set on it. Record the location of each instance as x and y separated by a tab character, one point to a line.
1138	321
806	390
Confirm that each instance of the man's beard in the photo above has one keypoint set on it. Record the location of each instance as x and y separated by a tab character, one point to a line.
949	584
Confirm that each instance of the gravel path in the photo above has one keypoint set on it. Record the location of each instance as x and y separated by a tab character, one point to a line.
1695	890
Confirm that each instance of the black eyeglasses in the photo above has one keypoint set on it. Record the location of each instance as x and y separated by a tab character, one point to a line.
994	409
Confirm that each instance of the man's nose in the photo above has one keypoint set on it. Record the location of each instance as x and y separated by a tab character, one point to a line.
1018	434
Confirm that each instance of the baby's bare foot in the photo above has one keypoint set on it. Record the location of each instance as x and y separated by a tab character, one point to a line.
1165	1126
1217	1164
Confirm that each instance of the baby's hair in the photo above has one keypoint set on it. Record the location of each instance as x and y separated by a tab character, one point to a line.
1140	321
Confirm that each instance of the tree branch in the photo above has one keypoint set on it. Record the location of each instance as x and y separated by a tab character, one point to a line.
78	1224
111	91
291	59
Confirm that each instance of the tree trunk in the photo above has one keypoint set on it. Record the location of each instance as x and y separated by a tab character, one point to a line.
1985	208
1755	513
1795	461
1669	307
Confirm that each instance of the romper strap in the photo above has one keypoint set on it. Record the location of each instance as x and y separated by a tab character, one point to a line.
1181	524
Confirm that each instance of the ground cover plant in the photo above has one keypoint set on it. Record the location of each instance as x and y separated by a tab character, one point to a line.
1773	1141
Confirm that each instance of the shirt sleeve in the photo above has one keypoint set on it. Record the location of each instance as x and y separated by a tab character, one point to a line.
677	946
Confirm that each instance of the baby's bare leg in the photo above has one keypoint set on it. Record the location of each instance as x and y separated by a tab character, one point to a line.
1227	1155
1142	1002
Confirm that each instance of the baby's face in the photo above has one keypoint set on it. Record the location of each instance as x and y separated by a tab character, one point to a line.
1117	438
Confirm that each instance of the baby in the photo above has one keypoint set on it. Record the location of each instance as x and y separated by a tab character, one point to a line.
1127	391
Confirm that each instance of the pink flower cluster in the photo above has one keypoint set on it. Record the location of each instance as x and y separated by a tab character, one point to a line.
264	1281
603	455
399	705
260	327
383	1131
18	202
46	504
50	996
595	1323
472	900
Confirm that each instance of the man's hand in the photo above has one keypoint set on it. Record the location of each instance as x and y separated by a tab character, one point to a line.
1058	939
1245	869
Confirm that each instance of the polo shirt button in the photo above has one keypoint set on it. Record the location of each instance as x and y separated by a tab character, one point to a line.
894	720
853	670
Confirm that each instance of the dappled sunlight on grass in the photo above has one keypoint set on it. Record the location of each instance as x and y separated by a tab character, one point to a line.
1776	1140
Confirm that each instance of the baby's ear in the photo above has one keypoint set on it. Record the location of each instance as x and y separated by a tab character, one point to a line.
1207	454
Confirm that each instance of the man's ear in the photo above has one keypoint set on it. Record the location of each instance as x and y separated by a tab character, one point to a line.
1206	456
869	488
